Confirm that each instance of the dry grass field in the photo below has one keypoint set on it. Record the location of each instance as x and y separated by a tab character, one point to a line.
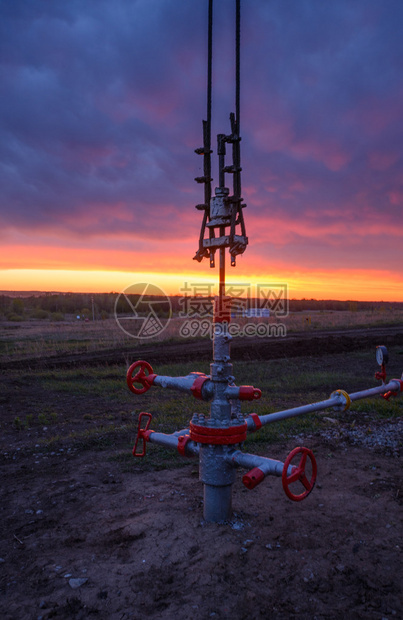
38	338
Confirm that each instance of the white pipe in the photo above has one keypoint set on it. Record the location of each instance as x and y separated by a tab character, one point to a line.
295	411
267	466
334	401
182	384
171	441
392	386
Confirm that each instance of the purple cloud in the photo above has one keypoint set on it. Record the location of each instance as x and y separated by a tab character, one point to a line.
102	104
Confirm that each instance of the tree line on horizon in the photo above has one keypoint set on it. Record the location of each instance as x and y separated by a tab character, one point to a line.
100	306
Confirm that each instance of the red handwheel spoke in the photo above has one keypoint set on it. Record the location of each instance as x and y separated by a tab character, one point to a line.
138	377
294	477
306	482
302	462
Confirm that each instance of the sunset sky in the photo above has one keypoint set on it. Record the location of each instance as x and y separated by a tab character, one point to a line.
101	109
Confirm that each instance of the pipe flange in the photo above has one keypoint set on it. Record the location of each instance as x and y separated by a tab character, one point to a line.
183	440
218	436
197	386
256	421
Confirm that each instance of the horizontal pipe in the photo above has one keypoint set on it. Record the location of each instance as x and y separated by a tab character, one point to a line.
242	392
182	384
171	441
184	431
188	384
267	466
334	401
393	386
295	411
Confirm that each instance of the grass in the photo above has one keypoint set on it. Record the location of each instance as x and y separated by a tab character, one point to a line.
90	382
91	408
37	339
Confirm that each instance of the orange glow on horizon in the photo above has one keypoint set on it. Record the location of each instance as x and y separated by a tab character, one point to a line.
91	269
359	285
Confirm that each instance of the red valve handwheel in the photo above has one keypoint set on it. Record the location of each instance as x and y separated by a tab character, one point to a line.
298	473
140	376
142	433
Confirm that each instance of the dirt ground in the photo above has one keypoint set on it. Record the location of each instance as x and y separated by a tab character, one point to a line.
136	545
83	536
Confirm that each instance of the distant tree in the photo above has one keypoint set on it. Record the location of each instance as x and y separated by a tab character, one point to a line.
56	316
5	304
18	306
14	317
40	314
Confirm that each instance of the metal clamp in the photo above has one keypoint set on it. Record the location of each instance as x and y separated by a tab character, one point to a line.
346	397
256	420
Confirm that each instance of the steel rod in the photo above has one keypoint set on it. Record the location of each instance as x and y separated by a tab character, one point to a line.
182	384
171	441
393	385
268	466
222	278
237	63
207	137
209	68
295	411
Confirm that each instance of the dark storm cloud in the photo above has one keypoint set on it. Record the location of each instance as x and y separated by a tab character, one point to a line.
102	103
